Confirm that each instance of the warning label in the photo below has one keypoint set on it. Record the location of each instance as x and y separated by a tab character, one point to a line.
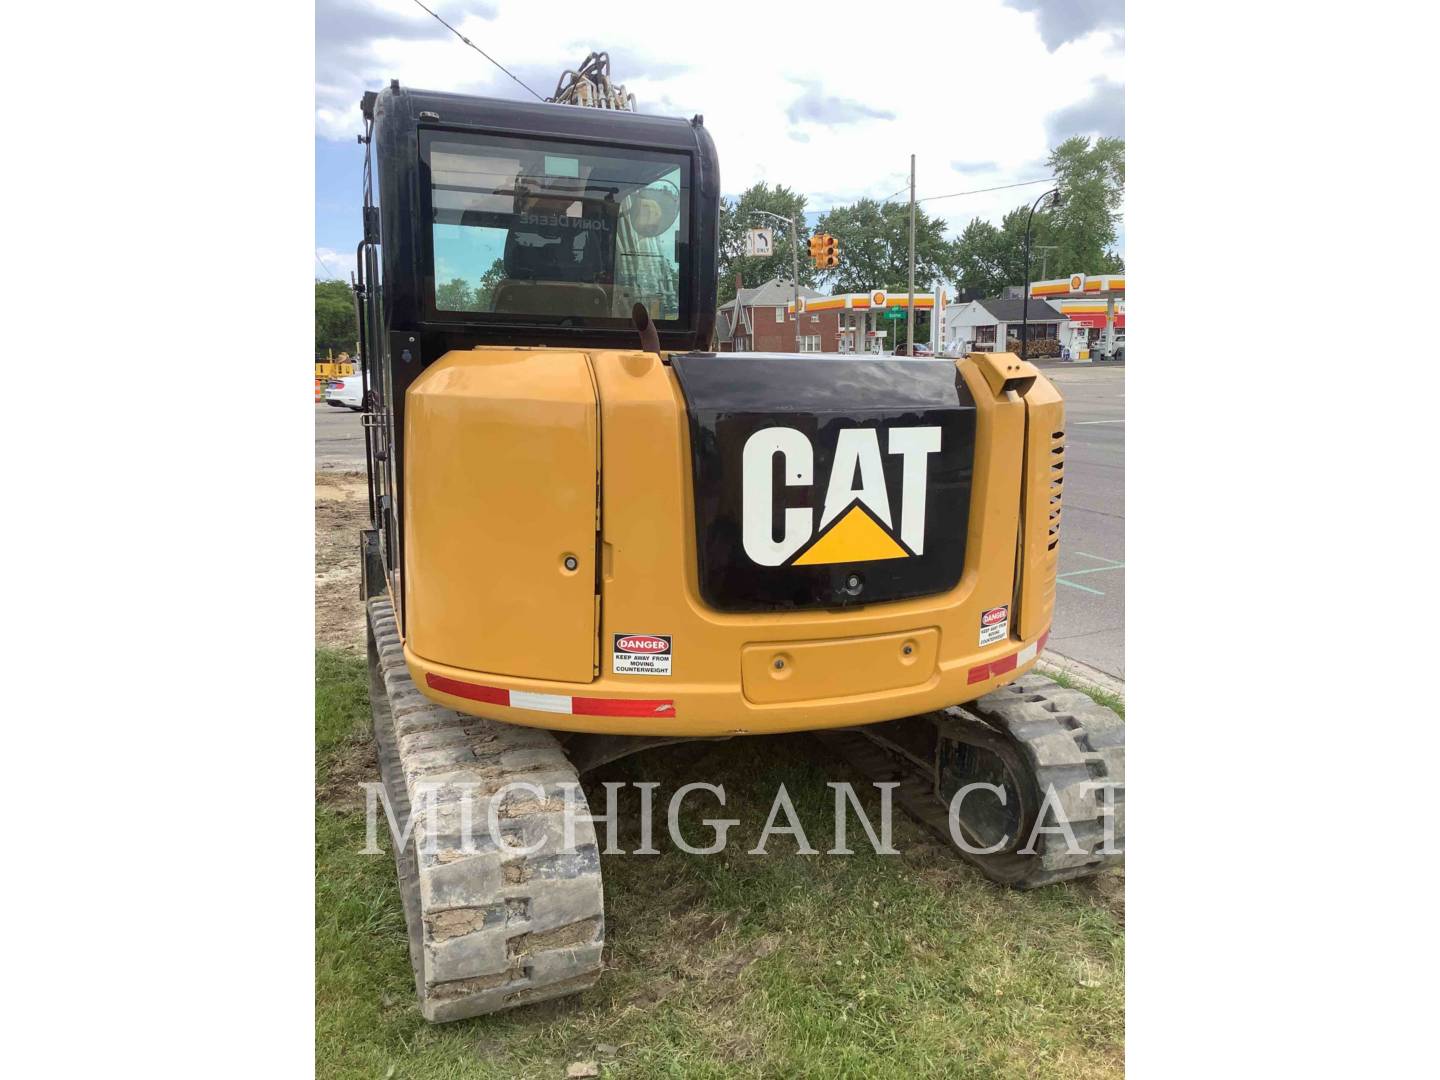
641	654
994	625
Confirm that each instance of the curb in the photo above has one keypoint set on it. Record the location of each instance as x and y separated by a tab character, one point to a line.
1052	663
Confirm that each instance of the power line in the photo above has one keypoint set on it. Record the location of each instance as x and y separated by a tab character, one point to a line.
951	195
977	191
477	48
325	265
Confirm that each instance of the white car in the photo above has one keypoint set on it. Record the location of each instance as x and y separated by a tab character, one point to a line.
345	393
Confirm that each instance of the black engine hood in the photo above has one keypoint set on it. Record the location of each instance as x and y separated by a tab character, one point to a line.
827	481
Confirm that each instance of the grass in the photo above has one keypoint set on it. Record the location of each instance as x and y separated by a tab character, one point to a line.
1104	697
734	964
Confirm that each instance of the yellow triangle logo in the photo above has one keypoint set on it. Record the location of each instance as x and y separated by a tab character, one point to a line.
856	537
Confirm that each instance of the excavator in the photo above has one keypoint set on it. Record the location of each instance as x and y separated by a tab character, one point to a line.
591	535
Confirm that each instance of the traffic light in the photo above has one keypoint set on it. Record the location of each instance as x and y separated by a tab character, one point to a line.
824	251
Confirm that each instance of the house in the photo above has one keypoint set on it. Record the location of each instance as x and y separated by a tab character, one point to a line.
766	326
983	325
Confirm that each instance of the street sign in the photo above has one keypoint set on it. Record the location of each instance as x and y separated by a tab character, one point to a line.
894	313
760	242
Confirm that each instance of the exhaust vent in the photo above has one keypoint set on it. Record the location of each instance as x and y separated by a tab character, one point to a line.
1057	482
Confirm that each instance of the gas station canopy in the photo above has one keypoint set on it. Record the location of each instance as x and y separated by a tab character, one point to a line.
859	310
1086	301
1099	287
875	299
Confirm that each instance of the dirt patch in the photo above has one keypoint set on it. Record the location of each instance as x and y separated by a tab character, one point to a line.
351	767
340	513
1106	890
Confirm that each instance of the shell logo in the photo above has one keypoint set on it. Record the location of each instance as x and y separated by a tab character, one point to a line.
878	298
1077	282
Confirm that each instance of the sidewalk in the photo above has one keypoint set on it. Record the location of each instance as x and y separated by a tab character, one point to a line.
1052	663
1056	362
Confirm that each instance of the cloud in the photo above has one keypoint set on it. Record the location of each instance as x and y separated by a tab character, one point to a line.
759	116
628	67
331	265
832	111
1102	113
350	39
347	28
1060	21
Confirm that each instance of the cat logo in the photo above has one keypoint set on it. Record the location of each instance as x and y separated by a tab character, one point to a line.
856	523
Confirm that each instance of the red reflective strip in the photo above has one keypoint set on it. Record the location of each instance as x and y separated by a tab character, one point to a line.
492	695
1004	664
594	706
1040	645
979	674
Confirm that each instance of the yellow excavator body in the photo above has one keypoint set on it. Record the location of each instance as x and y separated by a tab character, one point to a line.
551	561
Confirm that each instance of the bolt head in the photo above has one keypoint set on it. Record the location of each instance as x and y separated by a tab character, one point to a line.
571	562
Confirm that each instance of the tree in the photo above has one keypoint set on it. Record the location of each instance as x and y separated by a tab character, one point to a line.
1081	231
736	220
335	326
875	247
454	295
1092	188
981	258
485	291
457	295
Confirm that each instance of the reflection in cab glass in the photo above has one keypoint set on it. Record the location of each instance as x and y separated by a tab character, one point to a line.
531	227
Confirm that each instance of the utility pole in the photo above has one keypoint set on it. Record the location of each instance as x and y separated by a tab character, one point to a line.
795	279
1045	260
739	314
794	267
910	299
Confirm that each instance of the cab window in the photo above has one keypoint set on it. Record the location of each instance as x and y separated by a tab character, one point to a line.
558	231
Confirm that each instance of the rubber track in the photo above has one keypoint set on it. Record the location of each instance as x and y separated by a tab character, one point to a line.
489	929
1069	741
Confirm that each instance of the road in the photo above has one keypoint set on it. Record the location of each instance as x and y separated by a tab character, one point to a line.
339	440
1090	606
1090	609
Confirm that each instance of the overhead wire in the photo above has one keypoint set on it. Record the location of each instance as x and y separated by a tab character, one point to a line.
477	48
978	191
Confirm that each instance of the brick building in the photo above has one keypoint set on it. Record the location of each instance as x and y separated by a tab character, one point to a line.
765	325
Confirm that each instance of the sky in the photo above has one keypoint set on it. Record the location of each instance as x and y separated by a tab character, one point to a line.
826	100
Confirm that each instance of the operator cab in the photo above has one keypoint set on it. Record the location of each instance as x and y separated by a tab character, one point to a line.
517	223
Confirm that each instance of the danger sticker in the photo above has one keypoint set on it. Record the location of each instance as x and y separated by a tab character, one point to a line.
994	625
641	654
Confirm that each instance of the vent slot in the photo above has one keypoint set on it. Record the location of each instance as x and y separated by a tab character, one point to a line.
1057	482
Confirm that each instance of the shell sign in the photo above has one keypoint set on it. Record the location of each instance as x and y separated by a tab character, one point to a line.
877	298
1077	282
